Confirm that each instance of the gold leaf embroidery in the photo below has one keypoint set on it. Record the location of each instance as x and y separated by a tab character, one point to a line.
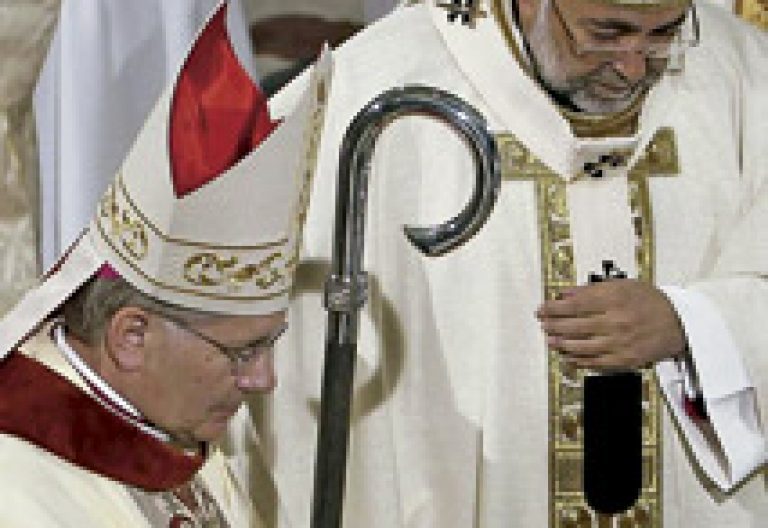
211	270
127	229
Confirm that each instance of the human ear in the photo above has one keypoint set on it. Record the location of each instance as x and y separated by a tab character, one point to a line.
126	338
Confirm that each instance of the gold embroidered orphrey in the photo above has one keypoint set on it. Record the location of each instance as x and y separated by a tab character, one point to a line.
754	11
568	508
165	508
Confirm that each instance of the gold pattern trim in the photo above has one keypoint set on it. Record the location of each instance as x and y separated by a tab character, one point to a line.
186	291
617	124
497	9
209	269
165	508
183	242
754	12
314	135
568	508
661	156
129	230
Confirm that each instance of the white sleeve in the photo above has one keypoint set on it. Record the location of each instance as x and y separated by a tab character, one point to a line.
735	446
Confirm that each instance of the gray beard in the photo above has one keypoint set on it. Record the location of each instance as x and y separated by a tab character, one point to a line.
574	92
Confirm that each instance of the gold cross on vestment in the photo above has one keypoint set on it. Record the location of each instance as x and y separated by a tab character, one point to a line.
465	10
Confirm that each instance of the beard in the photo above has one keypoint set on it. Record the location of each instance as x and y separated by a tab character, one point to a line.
603	90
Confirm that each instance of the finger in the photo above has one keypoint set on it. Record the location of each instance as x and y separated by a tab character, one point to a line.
589	347
574	306
575	327
603	362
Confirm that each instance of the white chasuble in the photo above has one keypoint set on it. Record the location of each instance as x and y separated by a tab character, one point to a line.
462	417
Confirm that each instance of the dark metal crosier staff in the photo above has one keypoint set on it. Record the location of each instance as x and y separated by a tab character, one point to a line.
346	288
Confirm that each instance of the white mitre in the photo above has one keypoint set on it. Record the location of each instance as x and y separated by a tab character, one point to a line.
207	209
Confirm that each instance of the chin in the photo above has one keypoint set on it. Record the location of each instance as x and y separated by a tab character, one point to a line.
211	432
214	427
594	105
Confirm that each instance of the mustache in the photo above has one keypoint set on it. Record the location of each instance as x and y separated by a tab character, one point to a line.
609	75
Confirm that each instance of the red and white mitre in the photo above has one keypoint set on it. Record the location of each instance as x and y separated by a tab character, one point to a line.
207	209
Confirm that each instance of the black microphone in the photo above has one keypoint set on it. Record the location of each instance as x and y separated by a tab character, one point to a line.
613	432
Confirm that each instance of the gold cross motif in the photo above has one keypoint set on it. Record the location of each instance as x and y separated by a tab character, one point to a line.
468	11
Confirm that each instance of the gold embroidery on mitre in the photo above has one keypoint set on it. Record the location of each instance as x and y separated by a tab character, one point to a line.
196	292
220	273
568	508
210	269
165	238
308	167
125	228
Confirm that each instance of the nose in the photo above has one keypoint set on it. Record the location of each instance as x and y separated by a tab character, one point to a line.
632	65
257	374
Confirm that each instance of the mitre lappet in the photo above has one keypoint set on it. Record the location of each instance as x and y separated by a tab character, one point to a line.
207	209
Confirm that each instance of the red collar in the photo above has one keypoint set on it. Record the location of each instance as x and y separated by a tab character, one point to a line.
45	409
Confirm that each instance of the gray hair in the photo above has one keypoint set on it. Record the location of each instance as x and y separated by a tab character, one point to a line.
88	311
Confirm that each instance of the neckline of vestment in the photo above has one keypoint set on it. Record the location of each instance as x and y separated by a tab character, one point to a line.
584	125
101	390
42	407
514	103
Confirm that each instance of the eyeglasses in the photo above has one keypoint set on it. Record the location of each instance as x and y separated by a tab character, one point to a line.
662	44
238	355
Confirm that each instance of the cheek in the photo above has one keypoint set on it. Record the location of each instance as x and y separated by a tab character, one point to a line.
198	384
210	431
206	367
211	379
585	69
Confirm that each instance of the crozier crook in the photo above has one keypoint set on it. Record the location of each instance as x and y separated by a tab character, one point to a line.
346	288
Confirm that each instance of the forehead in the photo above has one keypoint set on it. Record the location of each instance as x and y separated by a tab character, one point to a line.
645	16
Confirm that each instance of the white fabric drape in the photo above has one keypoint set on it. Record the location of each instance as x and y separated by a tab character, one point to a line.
451	416
109	62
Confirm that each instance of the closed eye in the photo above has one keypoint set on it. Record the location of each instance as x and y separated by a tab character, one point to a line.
605	36
260	342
